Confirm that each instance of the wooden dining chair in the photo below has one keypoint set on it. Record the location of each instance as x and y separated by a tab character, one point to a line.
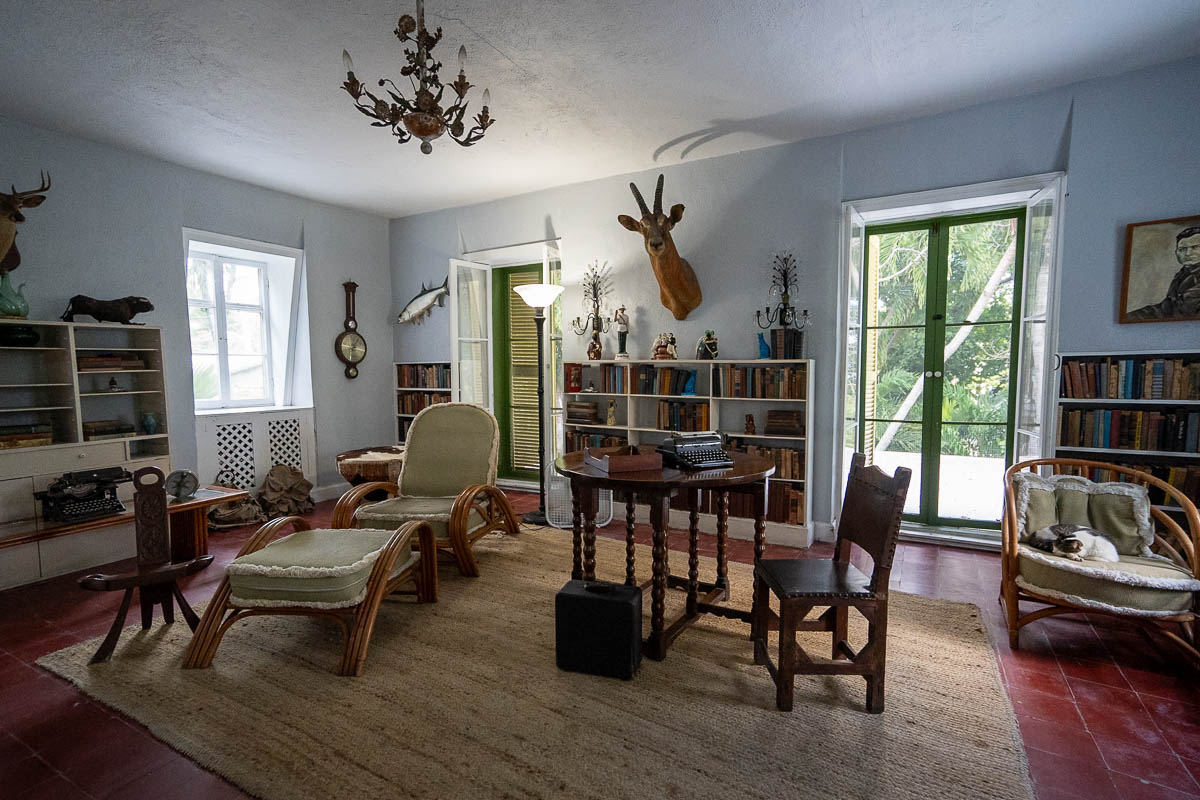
870	518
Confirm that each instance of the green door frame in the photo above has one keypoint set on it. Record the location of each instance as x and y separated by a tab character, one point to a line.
937	273
502	367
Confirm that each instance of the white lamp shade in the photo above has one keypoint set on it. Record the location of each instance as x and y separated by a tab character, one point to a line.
538	295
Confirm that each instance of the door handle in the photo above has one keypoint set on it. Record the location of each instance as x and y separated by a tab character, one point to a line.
928	374
937	374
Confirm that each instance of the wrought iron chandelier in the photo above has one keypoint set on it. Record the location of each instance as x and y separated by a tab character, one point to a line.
422	117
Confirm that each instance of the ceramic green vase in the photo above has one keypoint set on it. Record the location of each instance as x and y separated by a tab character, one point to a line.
12	301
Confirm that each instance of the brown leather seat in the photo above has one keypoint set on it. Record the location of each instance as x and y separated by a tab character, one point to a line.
814	577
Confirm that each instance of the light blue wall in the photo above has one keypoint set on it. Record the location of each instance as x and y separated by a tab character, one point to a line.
112	226
1128	144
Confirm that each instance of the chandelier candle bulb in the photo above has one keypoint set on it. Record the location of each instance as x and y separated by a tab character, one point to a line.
487	98
348	64
462	60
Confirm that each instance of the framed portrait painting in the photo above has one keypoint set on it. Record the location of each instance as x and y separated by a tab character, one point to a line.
1161	279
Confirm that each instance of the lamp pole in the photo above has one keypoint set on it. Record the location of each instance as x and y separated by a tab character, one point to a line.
538	296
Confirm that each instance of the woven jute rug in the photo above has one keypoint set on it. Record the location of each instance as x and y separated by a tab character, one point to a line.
462	699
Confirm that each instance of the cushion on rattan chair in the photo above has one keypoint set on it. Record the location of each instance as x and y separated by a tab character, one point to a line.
1120	510
312	569
394	512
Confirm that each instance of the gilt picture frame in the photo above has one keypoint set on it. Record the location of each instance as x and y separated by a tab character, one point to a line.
1160	281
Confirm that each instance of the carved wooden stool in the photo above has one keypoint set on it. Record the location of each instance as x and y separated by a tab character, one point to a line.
156	576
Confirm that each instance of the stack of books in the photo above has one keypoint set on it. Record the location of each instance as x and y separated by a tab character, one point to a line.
789	462
664	380
674	416
36	435
787	343
106	362
583	413
782	422
576	441
1131	379
107	429
786	383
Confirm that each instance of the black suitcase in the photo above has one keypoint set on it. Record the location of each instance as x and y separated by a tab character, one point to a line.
598	628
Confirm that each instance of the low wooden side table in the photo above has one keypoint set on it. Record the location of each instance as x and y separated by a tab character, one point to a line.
368	464
748	475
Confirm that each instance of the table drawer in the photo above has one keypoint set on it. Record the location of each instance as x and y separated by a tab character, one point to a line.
57	460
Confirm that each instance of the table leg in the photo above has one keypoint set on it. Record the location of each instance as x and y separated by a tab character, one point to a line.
588	500
693	499
630	577
722	536
760	520
656	646
576	535
189	534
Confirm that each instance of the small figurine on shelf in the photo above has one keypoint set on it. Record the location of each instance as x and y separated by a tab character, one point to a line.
622	320
149	423
689	386
593	349
662	348
671	345
591	386
764	349
706	347
112	385
611	419
750	429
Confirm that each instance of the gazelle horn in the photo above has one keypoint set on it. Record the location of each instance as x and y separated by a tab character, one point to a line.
640	201
658	196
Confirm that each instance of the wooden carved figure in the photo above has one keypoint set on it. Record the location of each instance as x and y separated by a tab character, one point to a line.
678	288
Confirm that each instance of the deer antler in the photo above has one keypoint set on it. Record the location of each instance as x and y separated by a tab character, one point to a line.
641	202
45	185
658	196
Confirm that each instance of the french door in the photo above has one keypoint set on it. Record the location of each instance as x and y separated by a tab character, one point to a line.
515	335
939	324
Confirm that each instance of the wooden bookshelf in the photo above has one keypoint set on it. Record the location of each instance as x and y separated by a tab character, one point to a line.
1137	409
417	385
638	408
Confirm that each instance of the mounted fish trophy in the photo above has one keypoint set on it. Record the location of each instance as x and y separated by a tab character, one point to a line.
12	302
422	304
678	288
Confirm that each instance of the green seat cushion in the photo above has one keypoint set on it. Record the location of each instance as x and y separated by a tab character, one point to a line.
312	569
1143	586
449	447
394	512
1119	510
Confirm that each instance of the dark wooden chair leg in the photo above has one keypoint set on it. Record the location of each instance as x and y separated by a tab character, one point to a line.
167	601
759	612
877	641
114	633
785	670
841	622
184	608
147	602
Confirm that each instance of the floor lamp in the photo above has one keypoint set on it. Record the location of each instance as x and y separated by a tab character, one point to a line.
539	296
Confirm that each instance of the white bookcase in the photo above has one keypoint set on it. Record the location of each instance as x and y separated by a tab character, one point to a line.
638	421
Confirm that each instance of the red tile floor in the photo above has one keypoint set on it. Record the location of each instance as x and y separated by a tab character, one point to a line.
1104	712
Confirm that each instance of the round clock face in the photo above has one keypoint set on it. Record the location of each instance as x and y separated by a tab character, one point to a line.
181	483
352	347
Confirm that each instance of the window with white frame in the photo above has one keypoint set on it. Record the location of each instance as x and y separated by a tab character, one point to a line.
231	346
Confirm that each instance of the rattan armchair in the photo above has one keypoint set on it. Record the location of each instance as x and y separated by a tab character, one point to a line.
1161	592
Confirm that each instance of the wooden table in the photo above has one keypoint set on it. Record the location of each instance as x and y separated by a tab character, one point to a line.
189	519
748	475
371	464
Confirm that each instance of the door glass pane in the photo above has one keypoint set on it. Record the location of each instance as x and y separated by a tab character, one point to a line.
979	282
244	332
898	370
247	377
243	284
975	383
1032	376
200	279
204	329
473	372
472	303
897	266
899	445
1040	223
206	378
971	472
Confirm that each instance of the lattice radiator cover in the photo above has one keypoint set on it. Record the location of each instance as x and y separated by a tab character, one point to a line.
249	444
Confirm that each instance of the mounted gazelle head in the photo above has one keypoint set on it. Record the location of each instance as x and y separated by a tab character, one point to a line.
10	215
678	288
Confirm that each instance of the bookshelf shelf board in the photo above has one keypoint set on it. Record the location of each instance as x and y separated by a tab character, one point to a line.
1131	354
31	385
1113	401
117	349
764	399
36	408
599	425
406	416
18	347
142	437
103	371
598	394
111	394
693	397
666	362
1120	451
422	388
784	437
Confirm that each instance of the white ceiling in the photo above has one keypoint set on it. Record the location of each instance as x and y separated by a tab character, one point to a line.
581	89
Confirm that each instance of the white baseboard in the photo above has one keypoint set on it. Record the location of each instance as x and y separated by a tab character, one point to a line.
824	532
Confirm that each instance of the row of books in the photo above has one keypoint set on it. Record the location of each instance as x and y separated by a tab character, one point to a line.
784	504
109	361
787	343
34	435
664	380
675	416
767	382
1184	478
412	403
108	429
789	462
582	412
575	441
423	376
611	377
1131	379
1174	432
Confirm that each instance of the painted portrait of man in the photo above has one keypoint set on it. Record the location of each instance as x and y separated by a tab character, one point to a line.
1161	282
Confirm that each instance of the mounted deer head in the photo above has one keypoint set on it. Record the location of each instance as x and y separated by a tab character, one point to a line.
678	288
10	215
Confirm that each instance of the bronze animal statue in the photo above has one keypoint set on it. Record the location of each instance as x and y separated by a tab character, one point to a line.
122	310
10	216
678	288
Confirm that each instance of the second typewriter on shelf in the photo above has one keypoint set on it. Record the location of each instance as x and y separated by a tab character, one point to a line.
82	496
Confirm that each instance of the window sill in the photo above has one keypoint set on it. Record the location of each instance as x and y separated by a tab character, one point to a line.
213	412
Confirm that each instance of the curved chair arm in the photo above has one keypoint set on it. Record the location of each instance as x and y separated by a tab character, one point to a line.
347	504
267	532
497	507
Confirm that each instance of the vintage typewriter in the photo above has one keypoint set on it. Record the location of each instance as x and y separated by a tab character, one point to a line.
80	496
695	451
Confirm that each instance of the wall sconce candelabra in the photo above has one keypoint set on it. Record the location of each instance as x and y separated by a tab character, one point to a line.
597	286
783	282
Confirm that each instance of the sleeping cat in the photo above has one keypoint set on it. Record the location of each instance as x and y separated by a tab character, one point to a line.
1075	542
